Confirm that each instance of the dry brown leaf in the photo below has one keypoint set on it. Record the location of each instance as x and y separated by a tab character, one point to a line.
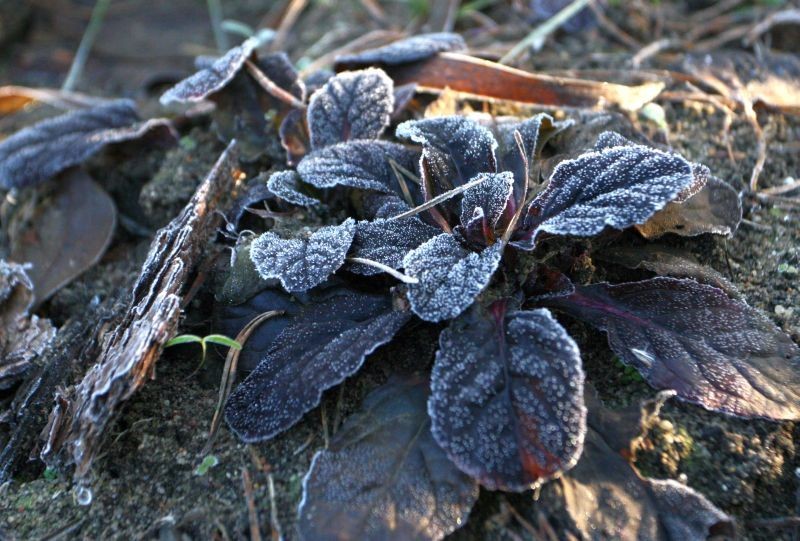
484	79
68	234
714	209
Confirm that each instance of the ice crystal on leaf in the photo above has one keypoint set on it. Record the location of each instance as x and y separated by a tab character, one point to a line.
712	350
301	264
490	196
351	105
455	149
318	350
450	276
616	187
286	185
366	165
211	78
388	241
39	152
383	477
406	50
507	397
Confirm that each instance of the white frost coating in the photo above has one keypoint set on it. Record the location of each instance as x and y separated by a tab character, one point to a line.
407	50
200	85
450	276
616	187
351	105
387	242
491	196
357	164
507	398
457	148
41	151
285	185
301	264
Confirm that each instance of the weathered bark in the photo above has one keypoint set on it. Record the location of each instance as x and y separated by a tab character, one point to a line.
128	354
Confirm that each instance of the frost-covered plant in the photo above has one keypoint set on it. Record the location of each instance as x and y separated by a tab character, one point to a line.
469	239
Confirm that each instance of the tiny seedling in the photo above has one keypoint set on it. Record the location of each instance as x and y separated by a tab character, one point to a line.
218	339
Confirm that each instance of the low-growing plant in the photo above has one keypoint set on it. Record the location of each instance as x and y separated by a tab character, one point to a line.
478	229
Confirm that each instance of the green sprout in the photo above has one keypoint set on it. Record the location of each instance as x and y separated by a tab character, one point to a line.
218	339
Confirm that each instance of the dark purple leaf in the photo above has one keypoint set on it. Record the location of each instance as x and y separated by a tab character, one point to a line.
351	105
303	263
366	165
714	208
712	350
615	187
611	139
230	319
667	261
534	133
404	51
383	476
246	112
39	152
507	397
241	103
455	149
255	192
490	196
605	498
450	276
387	242
317	351
67	235
211	78
286	185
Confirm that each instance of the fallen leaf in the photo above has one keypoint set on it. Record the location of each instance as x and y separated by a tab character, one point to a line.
68	235
383	477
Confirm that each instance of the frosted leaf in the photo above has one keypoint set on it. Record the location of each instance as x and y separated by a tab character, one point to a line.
507	397
317	351
241	103
351	105
211	78
387	242
450	276
404	51
534	133
611	139
616	187
455	149
41	151
606	498
286	185
383	476
303	263
389	205
713	350
715	208
246	112
491	196
360	164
